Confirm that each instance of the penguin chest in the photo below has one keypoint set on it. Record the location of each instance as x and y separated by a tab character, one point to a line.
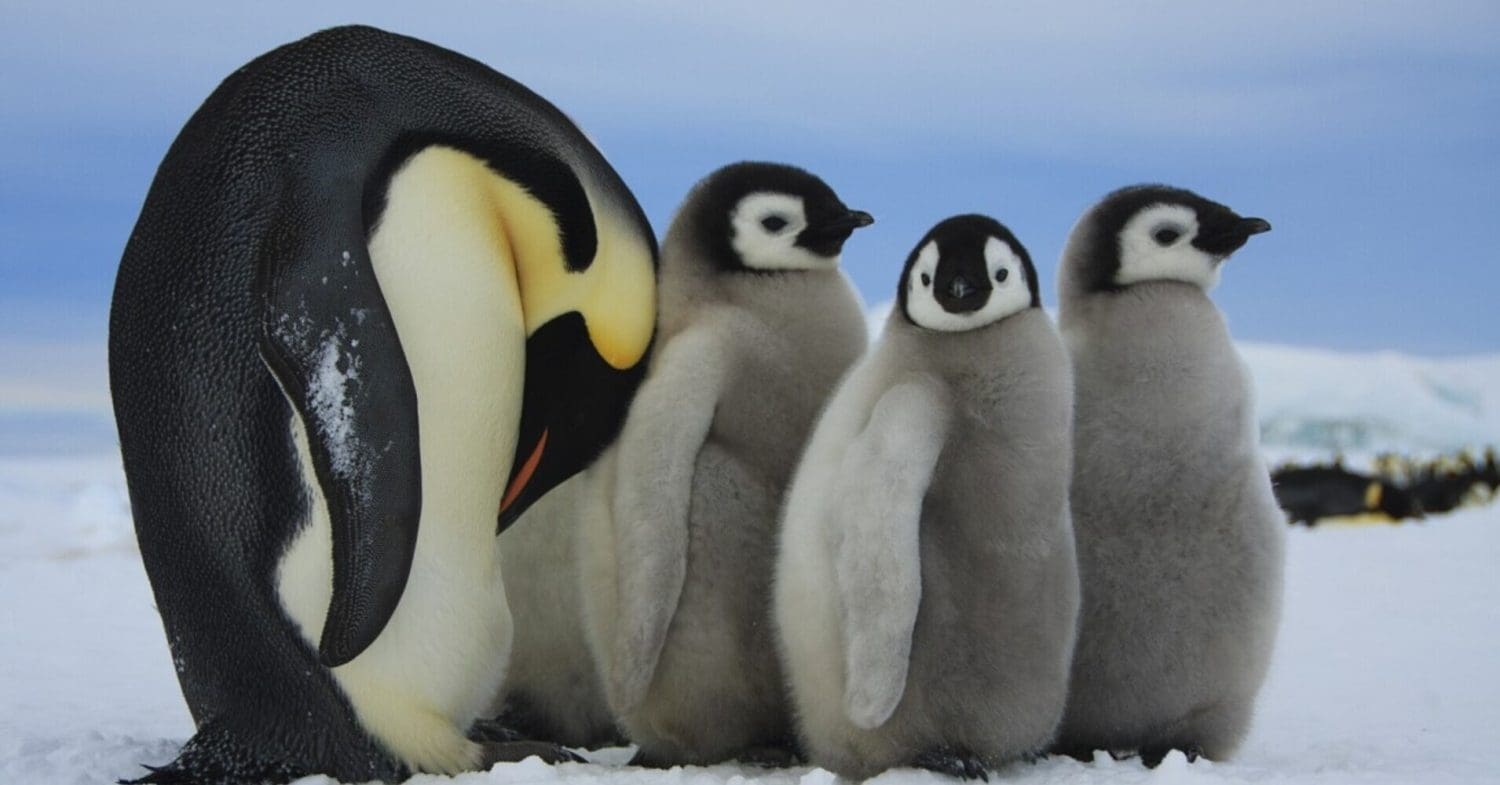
453	296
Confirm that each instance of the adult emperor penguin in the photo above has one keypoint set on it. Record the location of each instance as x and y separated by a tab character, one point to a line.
380	299
1179	537
757	323
926	587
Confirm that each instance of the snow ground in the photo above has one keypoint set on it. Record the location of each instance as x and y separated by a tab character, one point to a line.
1385	671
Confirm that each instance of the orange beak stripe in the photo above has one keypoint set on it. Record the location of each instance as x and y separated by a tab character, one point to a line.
527	470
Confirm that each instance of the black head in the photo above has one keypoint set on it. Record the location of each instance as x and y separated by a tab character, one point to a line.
766	217
1155	232
966	272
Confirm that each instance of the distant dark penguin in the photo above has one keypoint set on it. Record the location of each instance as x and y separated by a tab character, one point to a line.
379	300
1442	485
1311	494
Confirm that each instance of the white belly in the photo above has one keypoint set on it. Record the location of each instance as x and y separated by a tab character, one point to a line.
452	292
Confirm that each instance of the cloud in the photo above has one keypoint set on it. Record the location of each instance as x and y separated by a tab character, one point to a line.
1026	77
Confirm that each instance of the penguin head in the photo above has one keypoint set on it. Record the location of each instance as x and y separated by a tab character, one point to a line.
1153	233
768	218
967	272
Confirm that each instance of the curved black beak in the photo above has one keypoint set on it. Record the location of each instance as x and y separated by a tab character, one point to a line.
854	219
826	237
1228	239
964	294
572	407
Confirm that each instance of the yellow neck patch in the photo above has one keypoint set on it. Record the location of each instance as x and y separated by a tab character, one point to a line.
616	295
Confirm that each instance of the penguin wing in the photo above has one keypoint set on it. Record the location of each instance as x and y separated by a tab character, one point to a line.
330	341
658	449
876	510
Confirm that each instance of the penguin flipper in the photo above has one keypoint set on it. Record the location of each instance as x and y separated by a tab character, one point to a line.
875	507
658	450
330	340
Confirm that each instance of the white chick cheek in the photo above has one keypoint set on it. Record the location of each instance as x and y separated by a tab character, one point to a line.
760	248
1011	295
921	304
1144	259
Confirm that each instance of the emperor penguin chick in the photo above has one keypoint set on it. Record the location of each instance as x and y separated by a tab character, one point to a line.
926	589
552	690
757	324
1179	536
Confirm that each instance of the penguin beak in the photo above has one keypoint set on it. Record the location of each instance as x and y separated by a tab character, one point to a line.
572	407
1227	240
854	219
962	295
826	238
520	478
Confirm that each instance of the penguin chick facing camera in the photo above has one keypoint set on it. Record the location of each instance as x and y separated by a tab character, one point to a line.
926	588
1180	541
757	324
380	299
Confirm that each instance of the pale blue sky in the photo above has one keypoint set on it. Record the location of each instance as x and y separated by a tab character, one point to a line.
1367	133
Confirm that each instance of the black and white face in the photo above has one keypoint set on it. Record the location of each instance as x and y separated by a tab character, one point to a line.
969	271
1156	244
1159	233
1167	242
772	218
764	228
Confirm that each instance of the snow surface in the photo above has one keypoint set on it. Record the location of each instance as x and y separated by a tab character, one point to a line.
1385	671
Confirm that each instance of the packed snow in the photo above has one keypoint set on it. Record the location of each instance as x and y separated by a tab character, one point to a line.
330	401
1385	671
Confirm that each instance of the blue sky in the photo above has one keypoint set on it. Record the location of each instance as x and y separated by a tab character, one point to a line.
1368	134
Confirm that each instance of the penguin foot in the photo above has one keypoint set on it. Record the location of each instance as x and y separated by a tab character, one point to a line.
496	730
513	751
646	760
955	763
1153	756
770	756
1080	754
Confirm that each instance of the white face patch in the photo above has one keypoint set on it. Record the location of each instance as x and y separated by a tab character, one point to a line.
1157	245
764	228
1007	273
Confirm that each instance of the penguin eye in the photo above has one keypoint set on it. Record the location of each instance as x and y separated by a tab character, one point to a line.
1002	273
1166	236
773	223
926	279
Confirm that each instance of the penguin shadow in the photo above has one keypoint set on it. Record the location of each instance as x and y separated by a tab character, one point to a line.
1150	757
782	754
515	735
